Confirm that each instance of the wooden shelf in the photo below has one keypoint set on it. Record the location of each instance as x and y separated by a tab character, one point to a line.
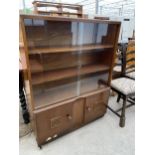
67	91
66	73
62	12
67	49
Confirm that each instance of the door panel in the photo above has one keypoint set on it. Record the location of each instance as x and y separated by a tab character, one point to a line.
54	121
95	105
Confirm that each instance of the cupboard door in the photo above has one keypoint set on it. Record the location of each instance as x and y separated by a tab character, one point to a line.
95	105
53	122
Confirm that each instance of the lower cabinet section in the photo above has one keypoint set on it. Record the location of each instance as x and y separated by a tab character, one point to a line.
58	119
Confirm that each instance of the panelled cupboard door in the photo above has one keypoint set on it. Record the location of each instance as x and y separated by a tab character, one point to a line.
55	121
95	105
59	119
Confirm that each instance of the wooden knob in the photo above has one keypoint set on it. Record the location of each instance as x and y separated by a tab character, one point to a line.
69	116
89	108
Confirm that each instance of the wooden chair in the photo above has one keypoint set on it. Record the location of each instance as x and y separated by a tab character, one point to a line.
130	60
118	69
125	85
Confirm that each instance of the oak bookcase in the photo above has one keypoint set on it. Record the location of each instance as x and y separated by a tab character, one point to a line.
66	59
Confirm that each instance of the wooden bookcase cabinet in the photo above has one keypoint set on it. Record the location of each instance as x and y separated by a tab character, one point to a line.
66	59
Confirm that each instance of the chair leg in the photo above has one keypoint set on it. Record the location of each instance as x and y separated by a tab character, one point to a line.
118	98
122	118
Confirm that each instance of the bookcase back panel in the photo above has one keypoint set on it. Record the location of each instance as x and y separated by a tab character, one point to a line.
42	33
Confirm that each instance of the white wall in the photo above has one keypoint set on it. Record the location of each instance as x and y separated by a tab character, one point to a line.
127	28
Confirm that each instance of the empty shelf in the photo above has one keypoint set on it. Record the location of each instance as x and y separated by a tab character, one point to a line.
67	49
66	73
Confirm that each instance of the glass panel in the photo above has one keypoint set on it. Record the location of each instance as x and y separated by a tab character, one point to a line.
66	58
54	67
91	62
93	68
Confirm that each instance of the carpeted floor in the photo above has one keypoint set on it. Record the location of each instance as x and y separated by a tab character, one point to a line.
101	137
